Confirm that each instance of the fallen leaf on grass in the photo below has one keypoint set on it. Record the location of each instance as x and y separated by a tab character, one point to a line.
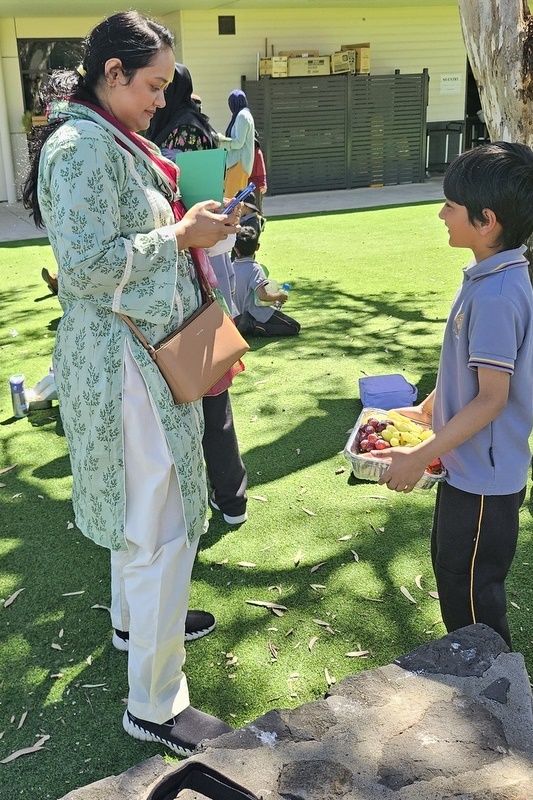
273	651
345	538
298	557
72	594
312	642
221	563
317	586
16	495
330	680
406	593
377	496
55	646
418	581
355	555
8	469
325	625
278	612
13	597
22	720
515	605
278	589
104	608
310	513
26	750
266	604
317	566
70	525
259	497
340	470
2	485
434	595
93	685
246	564
358	653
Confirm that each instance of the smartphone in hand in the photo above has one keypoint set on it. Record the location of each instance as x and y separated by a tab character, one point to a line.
239	198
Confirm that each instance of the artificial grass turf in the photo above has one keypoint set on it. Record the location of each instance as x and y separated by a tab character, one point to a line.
372	290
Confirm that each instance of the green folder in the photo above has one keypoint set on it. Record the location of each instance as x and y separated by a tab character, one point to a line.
201	175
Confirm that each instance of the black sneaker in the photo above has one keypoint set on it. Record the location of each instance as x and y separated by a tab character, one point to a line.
197	624
182	733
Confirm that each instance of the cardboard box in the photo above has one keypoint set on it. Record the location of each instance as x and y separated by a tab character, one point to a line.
299	66
361	56
299	53
341	62
275	67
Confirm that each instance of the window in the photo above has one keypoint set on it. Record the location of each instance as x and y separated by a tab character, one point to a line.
38	58
226	26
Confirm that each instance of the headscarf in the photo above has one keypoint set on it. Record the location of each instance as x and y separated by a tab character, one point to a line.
236	102
180	109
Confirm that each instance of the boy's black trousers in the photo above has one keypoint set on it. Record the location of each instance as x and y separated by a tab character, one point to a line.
473	542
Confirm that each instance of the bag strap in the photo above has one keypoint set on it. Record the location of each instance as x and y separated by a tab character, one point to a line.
208	297
143	340
200	778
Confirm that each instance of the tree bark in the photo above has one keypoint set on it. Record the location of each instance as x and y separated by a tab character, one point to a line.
498	36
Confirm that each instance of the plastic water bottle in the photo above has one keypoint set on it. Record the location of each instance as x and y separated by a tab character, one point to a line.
271	287
285	288
18	396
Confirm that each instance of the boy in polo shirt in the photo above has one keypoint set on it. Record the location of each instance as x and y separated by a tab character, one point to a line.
250	280
481	410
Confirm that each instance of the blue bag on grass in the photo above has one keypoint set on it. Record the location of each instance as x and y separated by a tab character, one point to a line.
386	391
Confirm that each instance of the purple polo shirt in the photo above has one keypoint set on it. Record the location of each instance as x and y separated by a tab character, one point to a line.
490	325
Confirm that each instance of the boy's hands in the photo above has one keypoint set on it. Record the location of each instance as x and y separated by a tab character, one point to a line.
407	465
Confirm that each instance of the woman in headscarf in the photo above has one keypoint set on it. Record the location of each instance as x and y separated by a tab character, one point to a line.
239	143
180	125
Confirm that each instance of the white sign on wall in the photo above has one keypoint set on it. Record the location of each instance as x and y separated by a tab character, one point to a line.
450	84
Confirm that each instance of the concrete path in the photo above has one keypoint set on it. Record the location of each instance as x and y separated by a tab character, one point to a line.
16	224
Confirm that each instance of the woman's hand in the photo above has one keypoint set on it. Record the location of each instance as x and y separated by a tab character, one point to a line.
201	227
235	215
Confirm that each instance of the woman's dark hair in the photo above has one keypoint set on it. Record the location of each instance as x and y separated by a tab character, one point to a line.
129	36
497	176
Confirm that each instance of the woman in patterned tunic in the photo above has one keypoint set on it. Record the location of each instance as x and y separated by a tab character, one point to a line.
124	244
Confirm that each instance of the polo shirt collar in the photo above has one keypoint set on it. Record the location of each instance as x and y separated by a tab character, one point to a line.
499	261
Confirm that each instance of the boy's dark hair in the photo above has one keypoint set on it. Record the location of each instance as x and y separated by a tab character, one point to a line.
246	241
497	176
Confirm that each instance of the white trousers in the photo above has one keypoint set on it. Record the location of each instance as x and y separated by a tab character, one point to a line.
150	581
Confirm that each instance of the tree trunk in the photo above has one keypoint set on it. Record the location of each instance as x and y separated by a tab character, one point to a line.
498	36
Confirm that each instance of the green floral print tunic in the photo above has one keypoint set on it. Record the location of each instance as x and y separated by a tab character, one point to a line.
108	219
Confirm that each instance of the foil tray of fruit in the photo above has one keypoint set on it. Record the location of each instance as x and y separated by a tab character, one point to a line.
377	429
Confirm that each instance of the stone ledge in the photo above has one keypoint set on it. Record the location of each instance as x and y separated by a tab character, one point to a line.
451	719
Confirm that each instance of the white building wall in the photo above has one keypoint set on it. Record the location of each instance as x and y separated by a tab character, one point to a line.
407	39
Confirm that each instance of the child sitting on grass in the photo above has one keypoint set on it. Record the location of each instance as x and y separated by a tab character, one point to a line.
250	280
482	407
